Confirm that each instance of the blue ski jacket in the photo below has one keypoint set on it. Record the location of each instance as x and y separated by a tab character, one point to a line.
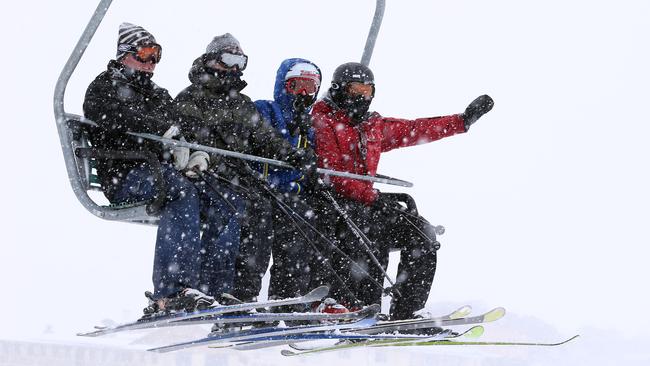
279	113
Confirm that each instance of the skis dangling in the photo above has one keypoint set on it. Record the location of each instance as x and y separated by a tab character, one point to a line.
182	318
258	333
279	340
374	341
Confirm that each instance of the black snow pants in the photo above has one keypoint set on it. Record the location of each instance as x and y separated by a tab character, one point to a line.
271	230
257	235
389	227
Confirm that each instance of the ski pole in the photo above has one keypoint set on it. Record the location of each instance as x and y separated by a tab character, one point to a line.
288	211
321	235
338	250
259	159
216	190
363	239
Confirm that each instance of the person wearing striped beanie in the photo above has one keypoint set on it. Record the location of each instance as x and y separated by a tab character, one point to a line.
124	99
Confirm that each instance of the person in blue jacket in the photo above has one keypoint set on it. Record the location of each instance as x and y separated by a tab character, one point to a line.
269	229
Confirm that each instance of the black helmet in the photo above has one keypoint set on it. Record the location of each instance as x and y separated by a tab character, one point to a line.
352	72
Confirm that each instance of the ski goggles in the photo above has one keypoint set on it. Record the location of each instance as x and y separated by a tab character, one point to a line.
227	59
300	85
361	89
150	53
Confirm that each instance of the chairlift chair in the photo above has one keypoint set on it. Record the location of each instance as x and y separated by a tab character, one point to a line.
80	156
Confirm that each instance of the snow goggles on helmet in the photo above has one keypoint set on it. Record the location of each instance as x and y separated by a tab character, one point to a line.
361	89
150	53
227	59
300	85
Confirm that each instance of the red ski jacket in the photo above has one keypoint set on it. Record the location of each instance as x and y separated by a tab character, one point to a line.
342	146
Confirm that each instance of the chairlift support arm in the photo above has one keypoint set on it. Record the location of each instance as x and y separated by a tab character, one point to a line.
374	32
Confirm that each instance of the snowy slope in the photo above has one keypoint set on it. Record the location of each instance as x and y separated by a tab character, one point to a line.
545	201
596	348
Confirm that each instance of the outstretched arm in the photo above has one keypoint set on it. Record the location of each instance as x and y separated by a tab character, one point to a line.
402	133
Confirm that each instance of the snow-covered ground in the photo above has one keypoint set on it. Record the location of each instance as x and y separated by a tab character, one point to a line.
545	201
595	347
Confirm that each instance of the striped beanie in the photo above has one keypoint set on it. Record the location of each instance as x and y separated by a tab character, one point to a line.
131	36
224	42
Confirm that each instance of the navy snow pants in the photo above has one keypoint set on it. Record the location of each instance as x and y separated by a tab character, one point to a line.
183	258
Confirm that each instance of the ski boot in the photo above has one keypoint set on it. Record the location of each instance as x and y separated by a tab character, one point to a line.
227	300
429	331
329	306
187	300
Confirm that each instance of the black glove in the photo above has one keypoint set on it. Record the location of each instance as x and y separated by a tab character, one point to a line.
385	201
476	109
305	161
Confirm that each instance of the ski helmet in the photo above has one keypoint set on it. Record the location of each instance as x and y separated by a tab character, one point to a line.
352	72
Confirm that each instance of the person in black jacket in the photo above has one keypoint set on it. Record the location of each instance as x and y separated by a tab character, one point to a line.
216	113
124	99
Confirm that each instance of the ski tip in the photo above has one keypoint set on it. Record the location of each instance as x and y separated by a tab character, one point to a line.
569	340
295	346
461	312
317	293
495	314
474	332
165	349
286	352
93	333
159	350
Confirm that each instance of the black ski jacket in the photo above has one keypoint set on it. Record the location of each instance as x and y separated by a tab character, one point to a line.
120	102
227	119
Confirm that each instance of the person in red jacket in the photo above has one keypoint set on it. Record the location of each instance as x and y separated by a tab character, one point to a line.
350	138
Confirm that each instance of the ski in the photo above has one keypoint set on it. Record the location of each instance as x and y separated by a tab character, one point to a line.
275	317
265	342
245	335
402	325
158	321
372	341
484	343
471	333
279	340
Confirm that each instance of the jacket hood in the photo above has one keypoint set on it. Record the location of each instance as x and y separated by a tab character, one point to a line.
279	92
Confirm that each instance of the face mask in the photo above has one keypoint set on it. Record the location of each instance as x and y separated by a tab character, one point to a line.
357	106
228	80
302	102
141	76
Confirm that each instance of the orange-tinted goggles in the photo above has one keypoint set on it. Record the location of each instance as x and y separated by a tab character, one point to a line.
299	85
365	90
147	54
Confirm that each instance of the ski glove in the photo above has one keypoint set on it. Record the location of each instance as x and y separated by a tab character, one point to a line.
305	161
476	109
199	160
181	154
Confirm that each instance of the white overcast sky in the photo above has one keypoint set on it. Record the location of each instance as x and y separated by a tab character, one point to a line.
545	201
